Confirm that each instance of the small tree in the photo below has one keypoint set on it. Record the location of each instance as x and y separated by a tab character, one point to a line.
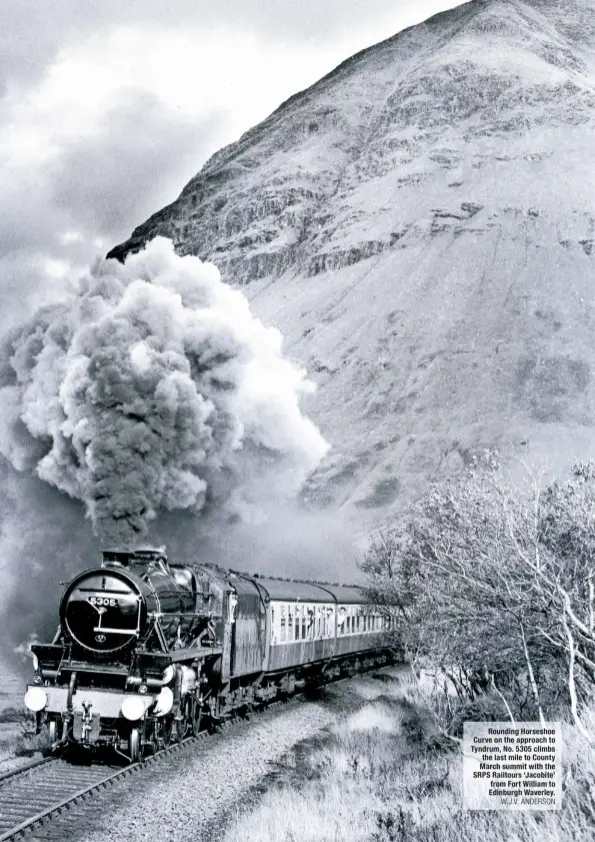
493	583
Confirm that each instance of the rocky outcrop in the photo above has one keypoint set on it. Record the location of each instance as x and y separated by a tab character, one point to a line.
420	225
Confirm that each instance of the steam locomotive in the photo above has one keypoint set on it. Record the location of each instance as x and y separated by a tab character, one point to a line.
147	649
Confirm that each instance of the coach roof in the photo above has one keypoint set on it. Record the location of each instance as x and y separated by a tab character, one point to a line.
289	590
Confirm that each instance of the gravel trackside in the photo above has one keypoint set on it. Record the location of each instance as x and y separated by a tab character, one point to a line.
179	799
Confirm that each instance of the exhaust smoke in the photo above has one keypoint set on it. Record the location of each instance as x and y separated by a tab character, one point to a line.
154	389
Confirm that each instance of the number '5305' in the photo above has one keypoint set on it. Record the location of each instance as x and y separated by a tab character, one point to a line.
103	600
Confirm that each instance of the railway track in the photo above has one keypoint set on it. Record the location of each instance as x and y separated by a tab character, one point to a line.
34	794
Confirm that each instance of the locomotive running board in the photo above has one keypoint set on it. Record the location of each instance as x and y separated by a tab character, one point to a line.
191	654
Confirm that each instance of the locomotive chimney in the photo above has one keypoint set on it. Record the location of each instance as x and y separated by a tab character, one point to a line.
125	558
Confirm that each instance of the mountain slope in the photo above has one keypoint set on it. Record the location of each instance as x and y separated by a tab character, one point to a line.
420	225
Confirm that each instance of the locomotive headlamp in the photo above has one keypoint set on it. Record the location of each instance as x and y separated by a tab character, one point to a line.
132	708
143	689
35	699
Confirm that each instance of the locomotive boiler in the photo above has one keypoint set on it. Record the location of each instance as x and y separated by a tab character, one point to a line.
146	649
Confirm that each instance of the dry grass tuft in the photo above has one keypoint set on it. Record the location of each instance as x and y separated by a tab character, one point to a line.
17	734
385	773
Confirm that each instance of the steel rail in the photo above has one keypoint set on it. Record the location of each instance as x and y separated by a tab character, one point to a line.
24	767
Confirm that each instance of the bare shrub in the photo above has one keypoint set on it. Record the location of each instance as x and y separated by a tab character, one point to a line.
12	714
28	743
493	583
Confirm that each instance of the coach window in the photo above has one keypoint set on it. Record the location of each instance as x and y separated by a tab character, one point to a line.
282	635
290	622
312	622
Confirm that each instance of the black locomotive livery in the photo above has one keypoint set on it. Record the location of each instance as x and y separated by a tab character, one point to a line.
147	649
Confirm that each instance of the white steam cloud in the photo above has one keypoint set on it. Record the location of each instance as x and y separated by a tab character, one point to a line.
151	389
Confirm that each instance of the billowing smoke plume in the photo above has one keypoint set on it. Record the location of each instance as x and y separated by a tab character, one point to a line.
154	389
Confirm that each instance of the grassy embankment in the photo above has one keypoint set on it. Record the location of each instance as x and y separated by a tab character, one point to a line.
384	773
17	734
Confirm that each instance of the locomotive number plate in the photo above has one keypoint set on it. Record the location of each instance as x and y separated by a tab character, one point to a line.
107	601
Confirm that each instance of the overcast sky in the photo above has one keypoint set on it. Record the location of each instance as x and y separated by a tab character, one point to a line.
108	107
